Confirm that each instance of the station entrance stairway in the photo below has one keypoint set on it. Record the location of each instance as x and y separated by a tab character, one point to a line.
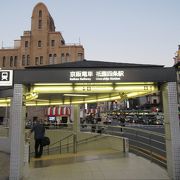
94	165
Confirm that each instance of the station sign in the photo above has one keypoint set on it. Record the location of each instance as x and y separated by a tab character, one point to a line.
115	75
6	77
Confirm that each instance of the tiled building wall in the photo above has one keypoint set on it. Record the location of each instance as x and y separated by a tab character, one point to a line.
17	134
172	130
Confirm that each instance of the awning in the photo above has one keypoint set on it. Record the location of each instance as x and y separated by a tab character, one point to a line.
58	111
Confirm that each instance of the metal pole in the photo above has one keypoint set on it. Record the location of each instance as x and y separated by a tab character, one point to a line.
60	147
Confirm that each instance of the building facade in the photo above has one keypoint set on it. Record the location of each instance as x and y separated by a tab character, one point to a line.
42	45
177	55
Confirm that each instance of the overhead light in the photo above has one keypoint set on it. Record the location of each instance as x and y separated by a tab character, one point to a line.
52	89
52	84
76	95
93	89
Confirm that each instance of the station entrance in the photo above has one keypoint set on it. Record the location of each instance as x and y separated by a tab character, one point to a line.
89	82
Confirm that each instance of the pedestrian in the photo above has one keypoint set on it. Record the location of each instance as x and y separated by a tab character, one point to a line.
39	131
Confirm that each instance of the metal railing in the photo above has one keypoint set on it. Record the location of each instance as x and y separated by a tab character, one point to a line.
69	141
146	143
66	144
149	144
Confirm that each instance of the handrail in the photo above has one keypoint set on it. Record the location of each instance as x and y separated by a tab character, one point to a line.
61	139
151	142
138	143
75	142
141	130
87	139
67	145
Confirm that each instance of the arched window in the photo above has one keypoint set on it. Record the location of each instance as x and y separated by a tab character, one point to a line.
54	59
80	56
15	61
52	43
28	60
23	60
40	24
26	44
39	43
4	61
40	13
11	61
62	58
36	60
67	57
41	59
50	59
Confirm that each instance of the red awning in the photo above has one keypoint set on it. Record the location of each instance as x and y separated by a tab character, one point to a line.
58	111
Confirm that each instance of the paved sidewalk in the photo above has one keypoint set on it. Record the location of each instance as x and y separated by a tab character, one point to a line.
112	166
4	166
88	166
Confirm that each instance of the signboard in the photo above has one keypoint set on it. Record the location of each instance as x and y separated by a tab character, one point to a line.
114	75
6	77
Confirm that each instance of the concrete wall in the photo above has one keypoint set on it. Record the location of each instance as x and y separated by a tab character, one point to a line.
5	144
4	140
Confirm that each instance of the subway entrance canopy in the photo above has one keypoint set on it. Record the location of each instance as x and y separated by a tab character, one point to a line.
88	82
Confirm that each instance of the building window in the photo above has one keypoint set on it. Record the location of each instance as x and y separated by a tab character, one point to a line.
62	58
52	43
40	24
80	56
39	43
26	44
50	59
11	61
40	13
23	60
67	57
15	61
4	61
36	60
41	59
28	60
54	59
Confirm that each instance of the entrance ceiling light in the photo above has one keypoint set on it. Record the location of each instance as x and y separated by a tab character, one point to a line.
76	95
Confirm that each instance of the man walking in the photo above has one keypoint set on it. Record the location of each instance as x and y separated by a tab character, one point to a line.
39	131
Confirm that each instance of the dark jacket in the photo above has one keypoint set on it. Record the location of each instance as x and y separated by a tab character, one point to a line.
39	131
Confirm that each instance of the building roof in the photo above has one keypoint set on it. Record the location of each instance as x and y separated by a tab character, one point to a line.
97	64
